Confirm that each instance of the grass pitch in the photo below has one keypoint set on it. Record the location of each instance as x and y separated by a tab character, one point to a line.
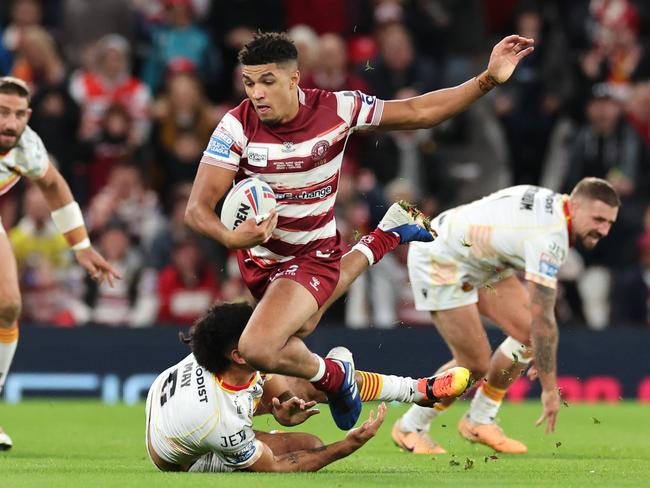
87	444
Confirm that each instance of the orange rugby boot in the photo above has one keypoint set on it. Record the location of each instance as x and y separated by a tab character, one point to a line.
448	384
415	442
490	435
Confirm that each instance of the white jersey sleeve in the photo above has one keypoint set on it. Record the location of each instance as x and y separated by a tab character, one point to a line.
226	144
30	156
544	257
358	109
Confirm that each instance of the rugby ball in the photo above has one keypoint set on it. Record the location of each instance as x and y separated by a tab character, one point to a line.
250	198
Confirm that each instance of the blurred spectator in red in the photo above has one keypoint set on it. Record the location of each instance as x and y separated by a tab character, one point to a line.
110	82
331	16
188	286
617	55
398	65
132	300
631	290
179	37
43	258
126	197
111	146
331	72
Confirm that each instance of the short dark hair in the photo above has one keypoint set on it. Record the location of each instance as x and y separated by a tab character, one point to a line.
268	47
597	189
11	85
215	334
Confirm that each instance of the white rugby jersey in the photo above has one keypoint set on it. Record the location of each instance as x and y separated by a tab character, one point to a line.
522	227
29	158
301	162
191	412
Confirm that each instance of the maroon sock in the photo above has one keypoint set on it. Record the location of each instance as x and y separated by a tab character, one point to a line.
332	379
380	242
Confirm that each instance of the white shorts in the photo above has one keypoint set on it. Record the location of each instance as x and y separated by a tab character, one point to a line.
440	277
2	227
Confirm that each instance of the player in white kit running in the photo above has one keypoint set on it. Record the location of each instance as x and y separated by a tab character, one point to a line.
200	411
469	271
22	153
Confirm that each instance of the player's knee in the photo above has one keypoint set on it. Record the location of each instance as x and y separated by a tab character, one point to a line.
10	307
257	355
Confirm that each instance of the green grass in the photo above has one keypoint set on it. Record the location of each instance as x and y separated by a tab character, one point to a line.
87	444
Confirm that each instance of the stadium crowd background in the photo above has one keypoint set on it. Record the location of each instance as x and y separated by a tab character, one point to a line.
127	92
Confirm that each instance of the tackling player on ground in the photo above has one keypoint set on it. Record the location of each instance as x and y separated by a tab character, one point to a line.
468	271
294	140
200	411
22	153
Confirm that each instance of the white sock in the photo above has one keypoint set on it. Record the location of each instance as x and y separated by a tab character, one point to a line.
418	418
399	389
321	369
483	409
6	356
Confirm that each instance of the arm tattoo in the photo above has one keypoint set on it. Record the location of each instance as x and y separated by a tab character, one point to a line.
293	457
544	330
486	83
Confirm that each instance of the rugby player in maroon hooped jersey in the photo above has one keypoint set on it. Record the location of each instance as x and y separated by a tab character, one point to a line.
294	139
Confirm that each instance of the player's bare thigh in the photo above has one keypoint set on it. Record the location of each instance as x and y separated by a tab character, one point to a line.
462	330
279	315
285	442
507	304
9	290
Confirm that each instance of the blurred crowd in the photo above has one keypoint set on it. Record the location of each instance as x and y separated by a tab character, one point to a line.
127	92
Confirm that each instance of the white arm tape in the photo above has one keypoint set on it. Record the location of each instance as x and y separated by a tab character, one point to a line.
68	217
84	244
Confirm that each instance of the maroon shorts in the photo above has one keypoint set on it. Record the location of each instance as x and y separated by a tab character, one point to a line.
317	274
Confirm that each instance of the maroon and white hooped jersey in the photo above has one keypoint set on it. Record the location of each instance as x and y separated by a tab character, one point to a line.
300	160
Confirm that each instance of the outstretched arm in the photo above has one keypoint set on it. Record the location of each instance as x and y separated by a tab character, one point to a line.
434	107
544	333
315	459
68	219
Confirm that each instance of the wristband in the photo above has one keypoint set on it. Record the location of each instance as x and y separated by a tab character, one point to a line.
68	217
84	244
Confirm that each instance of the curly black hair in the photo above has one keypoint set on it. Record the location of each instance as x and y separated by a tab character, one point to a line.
268	47
215	334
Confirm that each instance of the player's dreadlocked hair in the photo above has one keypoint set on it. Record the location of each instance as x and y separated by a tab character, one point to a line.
268	47
215	334
597	189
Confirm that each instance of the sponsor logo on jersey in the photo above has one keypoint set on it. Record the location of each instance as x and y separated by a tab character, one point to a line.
548	265
319	150
528	198
305	195
257	156
220	144
288	147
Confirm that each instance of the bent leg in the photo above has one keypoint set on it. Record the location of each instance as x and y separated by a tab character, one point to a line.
268	342
286	442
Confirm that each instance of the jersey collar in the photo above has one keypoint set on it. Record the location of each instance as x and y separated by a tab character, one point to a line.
235	388
567	216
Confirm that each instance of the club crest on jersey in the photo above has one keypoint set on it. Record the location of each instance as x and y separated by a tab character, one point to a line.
257	156
319	150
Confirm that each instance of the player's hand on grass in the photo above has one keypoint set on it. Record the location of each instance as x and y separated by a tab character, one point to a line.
293	411
366	431
551	407
506	55
250	234
98	268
